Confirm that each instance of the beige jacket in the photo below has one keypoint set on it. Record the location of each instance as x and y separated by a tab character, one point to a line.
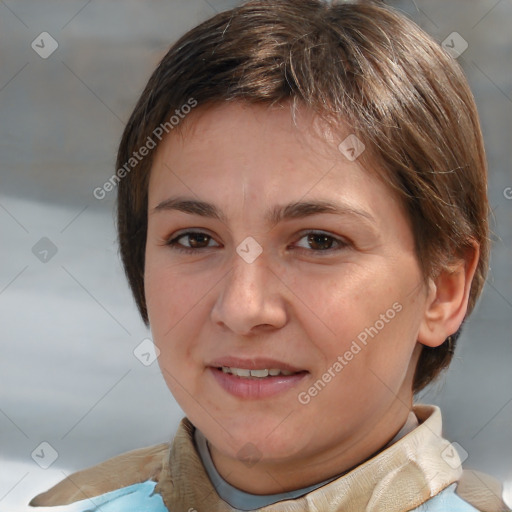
400	478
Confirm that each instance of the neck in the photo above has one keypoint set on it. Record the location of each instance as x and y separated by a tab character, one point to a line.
269	476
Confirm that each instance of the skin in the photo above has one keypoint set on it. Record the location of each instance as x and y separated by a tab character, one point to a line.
295	302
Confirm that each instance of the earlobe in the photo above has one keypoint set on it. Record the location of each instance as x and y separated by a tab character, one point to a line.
447	299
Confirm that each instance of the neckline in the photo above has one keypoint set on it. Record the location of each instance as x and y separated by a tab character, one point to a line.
242	500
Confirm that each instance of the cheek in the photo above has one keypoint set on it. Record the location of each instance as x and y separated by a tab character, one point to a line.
167	309
358	312
340	304
167	299
177	303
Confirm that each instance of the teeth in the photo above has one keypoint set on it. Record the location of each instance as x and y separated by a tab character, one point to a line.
259	373
242	372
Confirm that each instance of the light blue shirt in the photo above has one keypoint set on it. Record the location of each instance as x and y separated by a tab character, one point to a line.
142	498
446	501
134	498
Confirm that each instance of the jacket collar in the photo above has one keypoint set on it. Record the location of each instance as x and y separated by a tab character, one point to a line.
406	474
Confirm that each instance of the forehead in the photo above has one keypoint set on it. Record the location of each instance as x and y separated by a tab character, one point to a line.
243	152
241	127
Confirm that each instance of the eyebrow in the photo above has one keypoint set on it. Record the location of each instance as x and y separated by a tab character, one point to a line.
295	210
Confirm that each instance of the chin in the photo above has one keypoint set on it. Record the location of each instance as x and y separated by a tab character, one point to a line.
266	438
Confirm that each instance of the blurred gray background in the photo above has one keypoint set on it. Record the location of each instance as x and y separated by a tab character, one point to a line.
68	373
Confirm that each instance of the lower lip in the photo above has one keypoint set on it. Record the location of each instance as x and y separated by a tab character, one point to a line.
255	388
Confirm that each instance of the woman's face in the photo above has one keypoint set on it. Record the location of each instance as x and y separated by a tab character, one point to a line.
246	270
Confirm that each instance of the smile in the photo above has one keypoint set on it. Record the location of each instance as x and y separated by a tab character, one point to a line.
256	383
257	374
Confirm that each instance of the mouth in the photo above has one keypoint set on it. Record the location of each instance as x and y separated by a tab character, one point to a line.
255	378
256	374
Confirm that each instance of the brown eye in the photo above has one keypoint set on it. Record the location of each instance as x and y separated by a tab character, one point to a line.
196	241
318	242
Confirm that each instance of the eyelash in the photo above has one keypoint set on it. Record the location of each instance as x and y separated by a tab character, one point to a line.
174	245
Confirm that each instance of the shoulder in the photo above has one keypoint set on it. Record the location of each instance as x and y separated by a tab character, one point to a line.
482	491
124	470
474	492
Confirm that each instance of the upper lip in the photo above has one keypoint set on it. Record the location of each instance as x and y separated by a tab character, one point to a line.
254	363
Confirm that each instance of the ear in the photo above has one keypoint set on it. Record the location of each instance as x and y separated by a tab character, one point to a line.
447	299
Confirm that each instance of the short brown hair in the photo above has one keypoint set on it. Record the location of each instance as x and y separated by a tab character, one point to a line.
360	63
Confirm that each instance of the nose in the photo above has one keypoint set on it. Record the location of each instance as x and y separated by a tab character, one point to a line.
250	300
